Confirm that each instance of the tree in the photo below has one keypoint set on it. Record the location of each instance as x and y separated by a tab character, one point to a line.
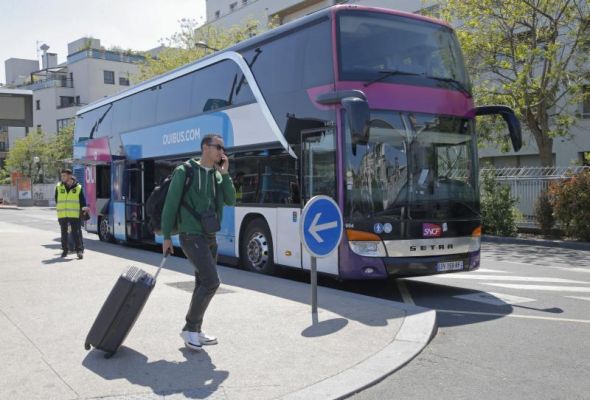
533	55
182	48
21	156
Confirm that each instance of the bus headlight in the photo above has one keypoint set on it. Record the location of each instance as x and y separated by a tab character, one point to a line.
365	243
368	249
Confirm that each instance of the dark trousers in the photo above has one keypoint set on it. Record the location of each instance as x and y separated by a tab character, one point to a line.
74	224
201	251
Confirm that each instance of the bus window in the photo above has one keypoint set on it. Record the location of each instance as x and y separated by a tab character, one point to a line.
246	175
319	161
174	99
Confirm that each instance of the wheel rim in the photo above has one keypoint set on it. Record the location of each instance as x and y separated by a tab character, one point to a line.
104	228
257	250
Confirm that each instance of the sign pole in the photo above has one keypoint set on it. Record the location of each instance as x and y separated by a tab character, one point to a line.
314	286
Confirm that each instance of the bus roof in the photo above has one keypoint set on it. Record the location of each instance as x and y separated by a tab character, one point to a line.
249	43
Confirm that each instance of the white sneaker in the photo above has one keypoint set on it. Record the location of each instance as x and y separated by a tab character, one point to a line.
191	340
207	339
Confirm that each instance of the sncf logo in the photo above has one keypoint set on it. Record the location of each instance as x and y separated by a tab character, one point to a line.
431	230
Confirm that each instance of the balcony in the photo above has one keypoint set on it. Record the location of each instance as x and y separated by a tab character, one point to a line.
105	55
49	83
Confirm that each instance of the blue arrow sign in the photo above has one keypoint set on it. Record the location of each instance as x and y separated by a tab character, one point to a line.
321	226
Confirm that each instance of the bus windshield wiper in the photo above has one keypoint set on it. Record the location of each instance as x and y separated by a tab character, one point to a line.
457	84
387	73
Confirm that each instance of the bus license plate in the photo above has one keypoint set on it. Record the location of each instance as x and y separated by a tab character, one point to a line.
449	266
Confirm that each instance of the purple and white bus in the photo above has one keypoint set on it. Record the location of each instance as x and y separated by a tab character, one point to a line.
369	106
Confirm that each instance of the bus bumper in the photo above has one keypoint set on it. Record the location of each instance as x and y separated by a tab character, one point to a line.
413	266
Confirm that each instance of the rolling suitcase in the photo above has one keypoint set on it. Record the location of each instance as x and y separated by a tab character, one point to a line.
121	309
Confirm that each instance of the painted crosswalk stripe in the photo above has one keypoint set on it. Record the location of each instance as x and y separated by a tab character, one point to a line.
496	299
557	319
510	278
580	289
490	271
578	297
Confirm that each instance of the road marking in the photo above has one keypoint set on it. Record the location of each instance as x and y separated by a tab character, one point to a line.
491	271
496	299
587	270
510	278
580	289
583	321
578	297
403	289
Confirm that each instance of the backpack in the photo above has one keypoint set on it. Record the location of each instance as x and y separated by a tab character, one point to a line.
154	204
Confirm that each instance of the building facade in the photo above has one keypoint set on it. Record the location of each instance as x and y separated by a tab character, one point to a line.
59	90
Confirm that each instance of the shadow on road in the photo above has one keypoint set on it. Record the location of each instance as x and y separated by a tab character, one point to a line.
196	377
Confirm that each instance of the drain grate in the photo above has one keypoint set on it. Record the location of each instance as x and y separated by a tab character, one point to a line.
188	286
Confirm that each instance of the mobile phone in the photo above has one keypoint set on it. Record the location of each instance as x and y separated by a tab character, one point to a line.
221	162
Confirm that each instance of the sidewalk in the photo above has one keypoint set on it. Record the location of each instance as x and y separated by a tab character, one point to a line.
268	347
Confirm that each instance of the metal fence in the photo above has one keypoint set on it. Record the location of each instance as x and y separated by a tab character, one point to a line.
527	183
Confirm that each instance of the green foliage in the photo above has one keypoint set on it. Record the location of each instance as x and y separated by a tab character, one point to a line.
544	212
530	55
51	150
497	206
181	48
571	202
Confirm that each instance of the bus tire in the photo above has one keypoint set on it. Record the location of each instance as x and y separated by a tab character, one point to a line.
103	230
256	249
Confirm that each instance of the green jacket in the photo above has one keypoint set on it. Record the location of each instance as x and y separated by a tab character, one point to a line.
200	196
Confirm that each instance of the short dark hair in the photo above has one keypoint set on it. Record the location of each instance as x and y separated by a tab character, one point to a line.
207	139
66	171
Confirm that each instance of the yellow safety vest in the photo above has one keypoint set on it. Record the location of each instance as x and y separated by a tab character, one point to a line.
68	203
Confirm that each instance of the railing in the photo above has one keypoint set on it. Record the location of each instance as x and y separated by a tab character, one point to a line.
105	55
527	183
49	83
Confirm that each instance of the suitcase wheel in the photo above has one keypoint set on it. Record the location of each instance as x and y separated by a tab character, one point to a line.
87	346
108	355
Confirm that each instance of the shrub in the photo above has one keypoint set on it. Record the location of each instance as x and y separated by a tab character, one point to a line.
544	212
571	202
498	213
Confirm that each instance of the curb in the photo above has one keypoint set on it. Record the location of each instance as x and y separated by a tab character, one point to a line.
585	246
418	328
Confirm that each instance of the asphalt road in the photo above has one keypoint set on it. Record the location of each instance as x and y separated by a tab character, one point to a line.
519	328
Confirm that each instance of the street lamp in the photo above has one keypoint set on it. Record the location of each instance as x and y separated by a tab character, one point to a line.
204	45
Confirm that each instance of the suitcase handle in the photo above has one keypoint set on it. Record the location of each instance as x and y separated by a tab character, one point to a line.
160	267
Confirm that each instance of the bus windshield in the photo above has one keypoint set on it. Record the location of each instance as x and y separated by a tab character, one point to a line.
414	166
390	48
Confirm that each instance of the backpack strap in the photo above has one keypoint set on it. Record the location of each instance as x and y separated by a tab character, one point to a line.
189	173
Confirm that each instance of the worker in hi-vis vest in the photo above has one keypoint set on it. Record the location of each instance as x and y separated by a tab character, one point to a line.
69	201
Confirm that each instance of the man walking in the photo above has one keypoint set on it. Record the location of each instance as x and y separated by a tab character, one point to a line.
69	200
198	216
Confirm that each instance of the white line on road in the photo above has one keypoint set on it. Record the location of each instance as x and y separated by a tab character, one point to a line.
403	289
491	271
578	297
542	287
496	299
511	278
583	321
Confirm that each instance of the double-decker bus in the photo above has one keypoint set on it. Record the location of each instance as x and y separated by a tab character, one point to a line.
370	106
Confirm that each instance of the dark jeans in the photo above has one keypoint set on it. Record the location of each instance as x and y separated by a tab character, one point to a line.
74	223
202	253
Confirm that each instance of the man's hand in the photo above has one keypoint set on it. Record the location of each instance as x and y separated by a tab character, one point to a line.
87	209
223	169
167	247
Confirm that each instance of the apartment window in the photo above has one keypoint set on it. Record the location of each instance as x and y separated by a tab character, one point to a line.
37	104
233	5
123	81
217	14
586	103
66	101
2	146
77	100
109	77
63	123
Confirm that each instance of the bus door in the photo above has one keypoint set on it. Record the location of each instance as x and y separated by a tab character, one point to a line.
119	194
318	176
135	201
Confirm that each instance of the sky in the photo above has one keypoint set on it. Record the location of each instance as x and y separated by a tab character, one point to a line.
131	24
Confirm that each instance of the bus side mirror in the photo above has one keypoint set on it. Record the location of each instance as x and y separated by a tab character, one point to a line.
357	113
511	120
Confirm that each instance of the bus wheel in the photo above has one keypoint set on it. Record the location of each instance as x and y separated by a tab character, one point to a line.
103	230
256	248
